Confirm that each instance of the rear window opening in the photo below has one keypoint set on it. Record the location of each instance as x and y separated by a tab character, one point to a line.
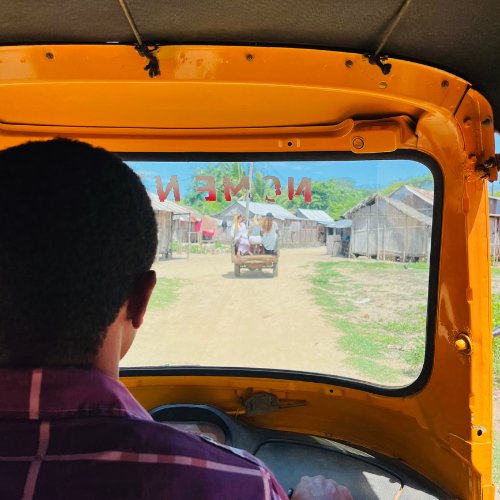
344	292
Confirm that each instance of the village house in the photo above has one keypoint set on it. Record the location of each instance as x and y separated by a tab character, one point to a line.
338	236
494	206
422	200
386	229
316	222
174	222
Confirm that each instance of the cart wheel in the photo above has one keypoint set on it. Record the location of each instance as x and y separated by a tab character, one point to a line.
237	270
275	270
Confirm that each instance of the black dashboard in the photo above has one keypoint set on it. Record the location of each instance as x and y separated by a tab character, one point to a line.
369	475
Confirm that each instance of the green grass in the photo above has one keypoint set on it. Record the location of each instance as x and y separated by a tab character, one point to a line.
415	353
367	342
495	305
360	340
332	303
496	460
165	292
360	266
370	369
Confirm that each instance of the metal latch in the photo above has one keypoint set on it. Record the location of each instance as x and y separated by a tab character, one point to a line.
263	403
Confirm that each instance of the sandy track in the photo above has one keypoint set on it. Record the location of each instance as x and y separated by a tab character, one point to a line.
252	321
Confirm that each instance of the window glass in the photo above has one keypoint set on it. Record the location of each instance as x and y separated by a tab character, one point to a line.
335	282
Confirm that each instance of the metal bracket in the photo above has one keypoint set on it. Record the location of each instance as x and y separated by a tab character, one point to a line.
377	60
263	403
484	170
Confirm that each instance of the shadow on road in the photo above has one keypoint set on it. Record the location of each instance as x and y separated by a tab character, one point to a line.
249	275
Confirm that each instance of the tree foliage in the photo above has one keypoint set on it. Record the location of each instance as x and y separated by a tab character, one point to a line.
335	197
424	182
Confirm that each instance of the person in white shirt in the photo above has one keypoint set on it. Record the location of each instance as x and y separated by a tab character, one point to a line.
269	234
240	234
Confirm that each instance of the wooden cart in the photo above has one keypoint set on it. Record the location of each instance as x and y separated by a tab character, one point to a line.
254	262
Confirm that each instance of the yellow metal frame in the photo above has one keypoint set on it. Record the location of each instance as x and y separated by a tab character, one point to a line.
219	99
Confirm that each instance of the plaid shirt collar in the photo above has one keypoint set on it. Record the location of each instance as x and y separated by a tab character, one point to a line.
49	394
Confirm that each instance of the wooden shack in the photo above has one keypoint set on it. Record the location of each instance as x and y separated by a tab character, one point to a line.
494	206
422	200
385	229
175	222
338	236
164	222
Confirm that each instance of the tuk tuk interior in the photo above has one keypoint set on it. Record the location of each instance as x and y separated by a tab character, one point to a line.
263	81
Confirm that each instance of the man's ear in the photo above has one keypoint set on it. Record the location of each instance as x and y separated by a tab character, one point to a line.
138	302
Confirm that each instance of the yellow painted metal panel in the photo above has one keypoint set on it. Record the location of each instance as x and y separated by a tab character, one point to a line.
213	99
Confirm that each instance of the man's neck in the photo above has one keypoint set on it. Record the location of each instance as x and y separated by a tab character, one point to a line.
108	357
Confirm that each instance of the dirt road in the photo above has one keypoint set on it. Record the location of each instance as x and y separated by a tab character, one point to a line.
252	321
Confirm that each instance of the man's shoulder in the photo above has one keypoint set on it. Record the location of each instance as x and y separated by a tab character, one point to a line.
162	439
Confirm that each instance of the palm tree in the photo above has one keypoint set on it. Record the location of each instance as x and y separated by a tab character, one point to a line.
261	187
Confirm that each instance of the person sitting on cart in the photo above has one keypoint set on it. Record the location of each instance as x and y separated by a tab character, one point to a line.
269	234
256	234
240	234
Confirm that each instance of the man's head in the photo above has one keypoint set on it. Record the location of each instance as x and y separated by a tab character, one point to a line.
77	237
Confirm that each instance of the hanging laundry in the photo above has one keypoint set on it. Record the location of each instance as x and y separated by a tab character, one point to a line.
209	225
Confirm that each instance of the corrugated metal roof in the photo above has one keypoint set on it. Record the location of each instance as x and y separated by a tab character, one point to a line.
157	204
170	206
339	224
424	219
316	215
425	194
262	209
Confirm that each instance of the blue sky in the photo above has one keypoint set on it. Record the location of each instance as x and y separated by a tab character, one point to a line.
371	174
366	174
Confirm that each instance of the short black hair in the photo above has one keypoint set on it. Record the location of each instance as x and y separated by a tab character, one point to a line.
76	231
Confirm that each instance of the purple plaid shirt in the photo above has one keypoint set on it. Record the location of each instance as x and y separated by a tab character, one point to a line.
79	435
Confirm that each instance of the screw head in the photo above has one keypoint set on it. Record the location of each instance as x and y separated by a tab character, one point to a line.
382	85
358	143
49	55
467	122
249	57
461	345
445	83
349	64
